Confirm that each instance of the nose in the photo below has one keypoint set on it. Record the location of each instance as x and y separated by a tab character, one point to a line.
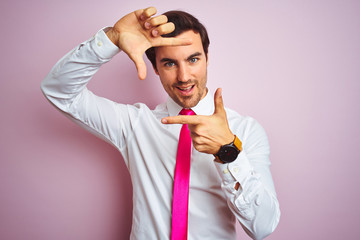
183	73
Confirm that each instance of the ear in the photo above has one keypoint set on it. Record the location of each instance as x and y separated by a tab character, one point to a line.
207	59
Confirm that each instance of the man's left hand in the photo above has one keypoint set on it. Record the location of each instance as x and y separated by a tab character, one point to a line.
208	133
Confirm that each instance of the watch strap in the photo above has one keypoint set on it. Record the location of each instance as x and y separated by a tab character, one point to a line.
238	143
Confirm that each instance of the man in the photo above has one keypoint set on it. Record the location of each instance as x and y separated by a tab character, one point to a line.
229	172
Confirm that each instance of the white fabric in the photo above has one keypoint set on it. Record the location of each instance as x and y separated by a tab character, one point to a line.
149	151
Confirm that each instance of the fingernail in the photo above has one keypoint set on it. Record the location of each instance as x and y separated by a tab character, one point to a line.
142	17
155	33
163	120
147	25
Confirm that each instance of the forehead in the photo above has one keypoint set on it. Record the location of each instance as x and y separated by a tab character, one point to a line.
181	52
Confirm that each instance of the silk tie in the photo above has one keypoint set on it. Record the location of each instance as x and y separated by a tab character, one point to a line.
179	223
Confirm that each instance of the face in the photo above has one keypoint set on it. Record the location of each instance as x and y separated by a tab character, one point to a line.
183	70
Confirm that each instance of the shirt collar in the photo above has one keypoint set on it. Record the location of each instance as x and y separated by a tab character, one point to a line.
204	107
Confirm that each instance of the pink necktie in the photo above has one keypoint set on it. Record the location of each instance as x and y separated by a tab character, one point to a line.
181	183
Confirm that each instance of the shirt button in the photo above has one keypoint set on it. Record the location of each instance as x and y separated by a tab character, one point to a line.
258	201
236	169
100	43
226	171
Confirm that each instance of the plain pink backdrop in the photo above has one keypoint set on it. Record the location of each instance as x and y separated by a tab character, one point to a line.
292	65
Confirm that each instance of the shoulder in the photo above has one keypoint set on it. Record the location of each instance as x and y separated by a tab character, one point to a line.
237	118
161	111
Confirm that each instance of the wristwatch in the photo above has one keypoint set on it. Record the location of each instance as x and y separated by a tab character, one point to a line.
229	152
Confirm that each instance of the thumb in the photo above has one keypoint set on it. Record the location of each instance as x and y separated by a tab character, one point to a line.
218	101
140	66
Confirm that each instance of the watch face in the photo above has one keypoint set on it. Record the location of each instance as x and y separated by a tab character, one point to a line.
228	154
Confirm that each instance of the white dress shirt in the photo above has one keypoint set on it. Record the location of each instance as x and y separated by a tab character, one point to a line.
149	151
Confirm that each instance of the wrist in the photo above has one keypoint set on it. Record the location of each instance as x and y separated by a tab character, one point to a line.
226	142
229	152
113	36
230	138
217	159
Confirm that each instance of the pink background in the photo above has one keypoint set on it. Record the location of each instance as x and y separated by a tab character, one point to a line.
292	65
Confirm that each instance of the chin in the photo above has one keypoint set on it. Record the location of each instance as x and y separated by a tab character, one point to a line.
189	104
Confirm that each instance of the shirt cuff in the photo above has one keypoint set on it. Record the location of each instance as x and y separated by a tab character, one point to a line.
103	46
236	171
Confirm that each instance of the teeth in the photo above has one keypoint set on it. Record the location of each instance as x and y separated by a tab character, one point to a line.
184	89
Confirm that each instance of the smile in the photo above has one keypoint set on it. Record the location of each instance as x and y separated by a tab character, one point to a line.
186	90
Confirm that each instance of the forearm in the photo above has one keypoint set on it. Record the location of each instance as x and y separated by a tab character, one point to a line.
65	88
248	185
254	204
68	78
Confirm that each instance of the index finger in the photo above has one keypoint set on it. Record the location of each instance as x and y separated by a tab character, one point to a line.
181	119
166	28
172	42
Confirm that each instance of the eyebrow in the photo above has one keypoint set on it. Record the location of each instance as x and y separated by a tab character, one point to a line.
194	55
188	58
167	60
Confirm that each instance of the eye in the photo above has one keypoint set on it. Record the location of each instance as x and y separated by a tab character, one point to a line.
193	60
169	64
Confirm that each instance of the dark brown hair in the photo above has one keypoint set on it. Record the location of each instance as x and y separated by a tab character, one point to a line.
183	21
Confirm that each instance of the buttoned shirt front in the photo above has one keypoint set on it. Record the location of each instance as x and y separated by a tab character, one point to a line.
149	151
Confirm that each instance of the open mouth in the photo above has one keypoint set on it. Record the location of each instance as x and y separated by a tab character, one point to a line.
185	90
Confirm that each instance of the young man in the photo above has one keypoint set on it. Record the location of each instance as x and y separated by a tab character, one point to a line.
227	176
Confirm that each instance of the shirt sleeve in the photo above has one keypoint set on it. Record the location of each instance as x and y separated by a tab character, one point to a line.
255	203
65	87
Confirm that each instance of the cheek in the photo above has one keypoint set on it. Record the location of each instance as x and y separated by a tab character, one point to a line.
202	69
165	81
202	74
168	77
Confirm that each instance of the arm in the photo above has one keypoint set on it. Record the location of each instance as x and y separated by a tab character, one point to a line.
246	182
254	202
65	85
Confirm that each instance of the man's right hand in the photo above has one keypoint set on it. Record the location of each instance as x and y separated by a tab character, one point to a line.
139	31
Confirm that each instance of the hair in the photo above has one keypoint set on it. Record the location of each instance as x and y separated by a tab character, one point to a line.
183	21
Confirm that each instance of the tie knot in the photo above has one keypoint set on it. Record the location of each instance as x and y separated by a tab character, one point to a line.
186	111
